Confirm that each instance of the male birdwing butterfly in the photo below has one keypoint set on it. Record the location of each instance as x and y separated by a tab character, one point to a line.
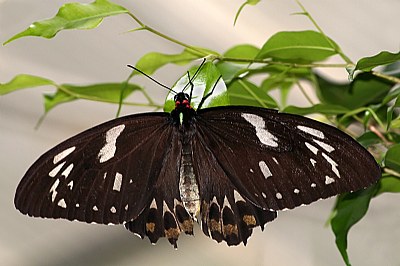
231	168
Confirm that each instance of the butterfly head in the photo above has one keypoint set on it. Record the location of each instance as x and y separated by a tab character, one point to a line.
182	102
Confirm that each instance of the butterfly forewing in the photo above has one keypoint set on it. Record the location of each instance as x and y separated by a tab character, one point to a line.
103	175
280	161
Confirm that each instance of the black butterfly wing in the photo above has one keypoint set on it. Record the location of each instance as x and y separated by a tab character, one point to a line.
225	214
103	175
165	214
280	161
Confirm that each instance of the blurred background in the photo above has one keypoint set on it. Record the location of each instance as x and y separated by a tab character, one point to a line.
299	237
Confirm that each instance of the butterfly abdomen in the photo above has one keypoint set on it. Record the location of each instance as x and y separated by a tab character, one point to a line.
188	187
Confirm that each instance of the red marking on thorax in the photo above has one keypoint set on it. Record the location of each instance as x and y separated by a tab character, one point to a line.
185	103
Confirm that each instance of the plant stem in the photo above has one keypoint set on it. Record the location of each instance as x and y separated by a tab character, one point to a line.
391	172
380	135
270	62
387	77
304	92
333	45
84	97
162	35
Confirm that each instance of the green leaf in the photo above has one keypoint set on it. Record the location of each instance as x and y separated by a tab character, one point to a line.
150	62
392	158
277	82
327	109
308	46
105	92
392	69
242	51
383	58
248	2
243	92
393	94
203	83
364	90
368	138
229	71
349	209
24	81
390	111
72	16
395	123
281	82
389	184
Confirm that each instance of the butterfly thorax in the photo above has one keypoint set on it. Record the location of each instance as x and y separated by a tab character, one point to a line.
183	112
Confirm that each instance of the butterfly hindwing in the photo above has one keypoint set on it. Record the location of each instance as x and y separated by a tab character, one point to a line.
280	161
103	175
165	215
225	214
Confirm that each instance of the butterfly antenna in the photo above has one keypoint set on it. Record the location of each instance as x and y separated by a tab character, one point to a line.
209	94
191	88
191	80
195	74
149	77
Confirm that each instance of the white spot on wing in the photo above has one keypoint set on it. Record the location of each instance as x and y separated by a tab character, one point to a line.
251	170
117	182
264	195
62	203
68	170
325	146
214	200
278	195
176	203
63	154
113	210
165	207
126	207
275	160
56	169
109	149
313	185
313	162
153	204
77	205
263	134
264	169
53	189
329	180
71	184
332	163
312	148
296	191
312	131
95	208
237	196
226	203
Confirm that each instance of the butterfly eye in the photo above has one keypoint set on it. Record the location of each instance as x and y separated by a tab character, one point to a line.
186	103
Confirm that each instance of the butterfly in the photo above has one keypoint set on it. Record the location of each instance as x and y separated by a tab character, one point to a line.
229	168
